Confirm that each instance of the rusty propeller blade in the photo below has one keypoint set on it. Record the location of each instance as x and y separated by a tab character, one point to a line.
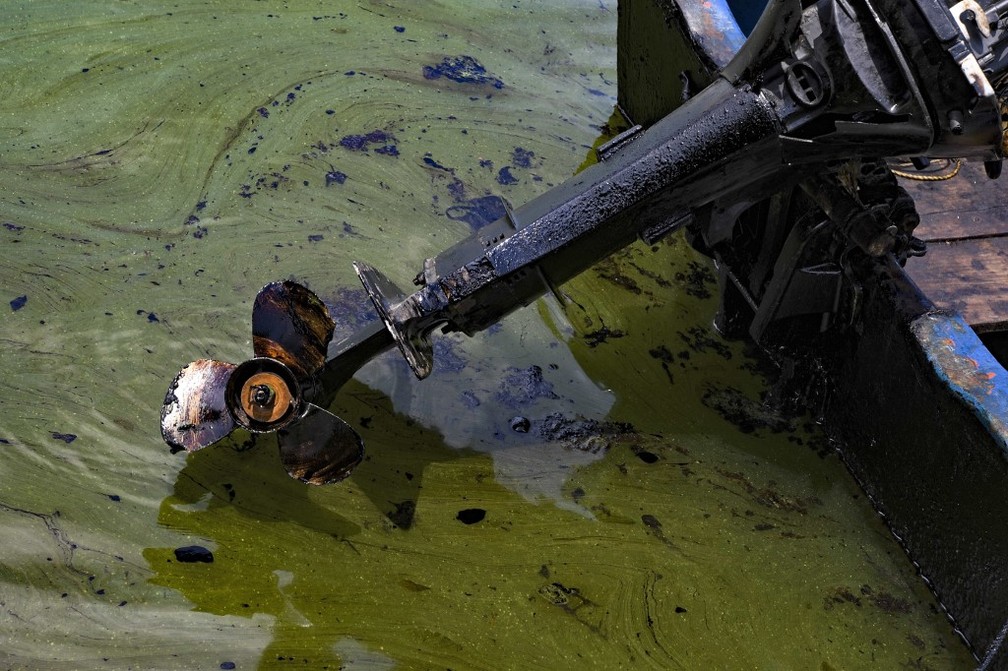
292	325
319	448
195	411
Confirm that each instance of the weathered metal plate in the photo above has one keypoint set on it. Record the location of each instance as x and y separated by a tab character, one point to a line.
140	234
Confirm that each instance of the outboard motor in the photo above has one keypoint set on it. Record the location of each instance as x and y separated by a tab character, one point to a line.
818	97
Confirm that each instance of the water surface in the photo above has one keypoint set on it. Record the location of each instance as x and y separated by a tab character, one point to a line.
163	161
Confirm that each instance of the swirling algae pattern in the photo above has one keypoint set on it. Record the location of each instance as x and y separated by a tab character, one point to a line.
162	161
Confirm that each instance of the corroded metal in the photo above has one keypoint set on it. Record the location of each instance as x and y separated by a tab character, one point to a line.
320	448
399	319
263	395
819	94
290	324
918	405
195	411
713	27
272	391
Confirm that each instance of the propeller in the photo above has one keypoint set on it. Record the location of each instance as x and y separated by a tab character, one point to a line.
208	399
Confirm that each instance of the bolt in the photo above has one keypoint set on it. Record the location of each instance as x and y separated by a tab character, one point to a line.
263	395
955	122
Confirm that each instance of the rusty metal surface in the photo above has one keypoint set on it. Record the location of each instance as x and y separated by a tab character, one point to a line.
291	324
919	406
320	448
263	395
195	411
292	330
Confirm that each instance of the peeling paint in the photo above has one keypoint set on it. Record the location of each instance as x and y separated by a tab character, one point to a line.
962	361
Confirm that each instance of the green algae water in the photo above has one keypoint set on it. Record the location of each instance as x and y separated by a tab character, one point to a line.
161	162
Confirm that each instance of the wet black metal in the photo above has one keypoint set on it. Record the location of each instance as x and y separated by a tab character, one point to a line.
195	410
274	391
925	458
291	324
813	87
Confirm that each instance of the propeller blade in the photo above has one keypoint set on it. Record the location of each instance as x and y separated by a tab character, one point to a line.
320	448
292	325
195	412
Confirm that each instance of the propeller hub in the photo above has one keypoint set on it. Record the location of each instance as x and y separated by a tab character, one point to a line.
263	395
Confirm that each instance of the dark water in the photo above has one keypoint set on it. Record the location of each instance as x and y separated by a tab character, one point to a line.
163	161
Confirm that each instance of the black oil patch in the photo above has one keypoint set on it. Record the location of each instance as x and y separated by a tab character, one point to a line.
522	386
746	414
471	515
191	554
462	69
478	212
585	435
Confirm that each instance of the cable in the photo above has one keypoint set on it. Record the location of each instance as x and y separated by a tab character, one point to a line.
931	177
